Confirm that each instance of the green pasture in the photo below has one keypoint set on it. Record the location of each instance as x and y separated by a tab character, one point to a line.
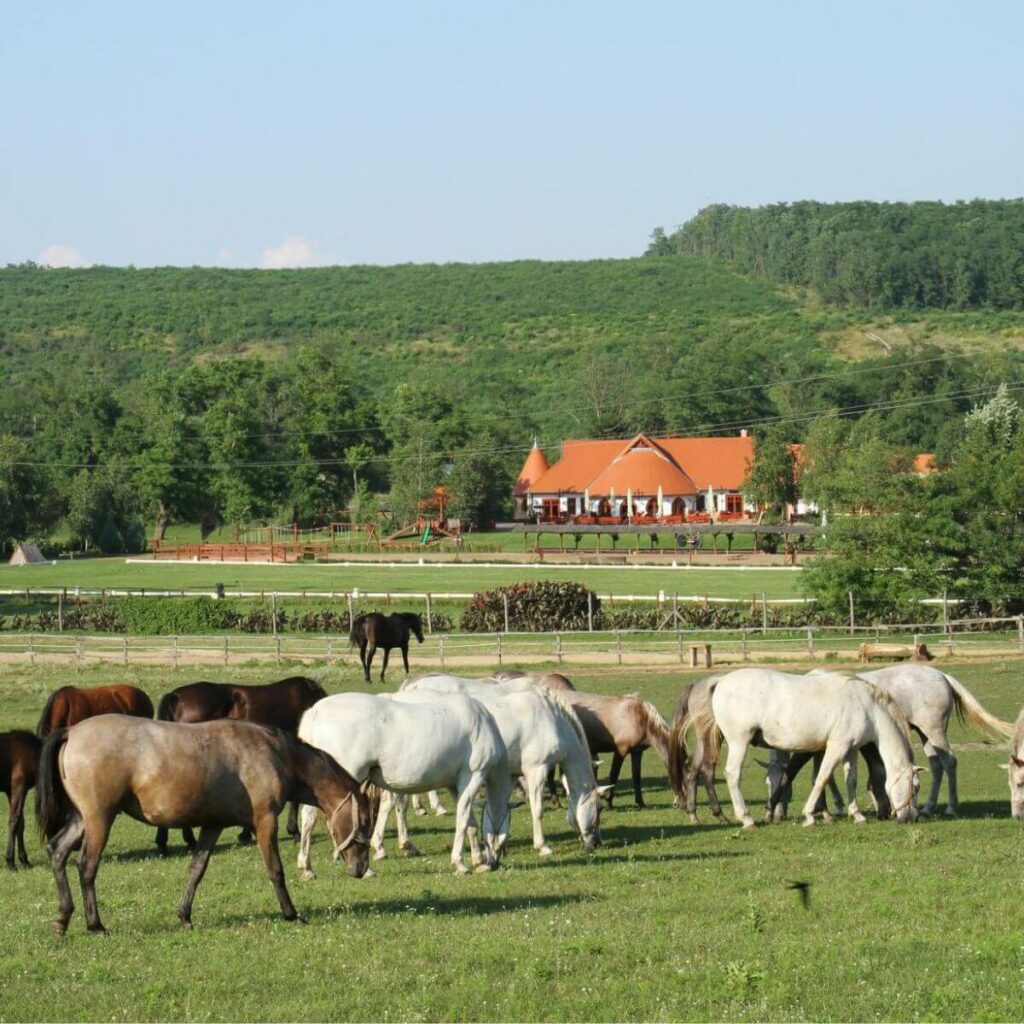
116	573
665	922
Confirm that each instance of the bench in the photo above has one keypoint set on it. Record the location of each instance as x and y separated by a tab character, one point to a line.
915	651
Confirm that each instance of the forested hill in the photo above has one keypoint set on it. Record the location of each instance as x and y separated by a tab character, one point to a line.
965	255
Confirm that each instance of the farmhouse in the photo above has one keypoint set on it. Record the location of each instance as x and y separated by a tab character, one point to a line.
668	480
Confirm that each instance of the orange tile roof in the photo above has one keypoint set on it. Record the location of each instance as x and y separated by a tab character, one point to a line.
925	463
699	463
535	466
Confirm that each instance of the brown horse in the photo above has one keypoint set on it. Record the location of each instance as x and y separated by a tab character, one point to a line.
211	775
375	630
19	763
281	704
621	726
70	705
549	680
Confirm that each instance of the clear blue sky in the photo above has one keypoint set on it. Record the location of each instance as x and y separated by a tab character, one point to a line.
278	133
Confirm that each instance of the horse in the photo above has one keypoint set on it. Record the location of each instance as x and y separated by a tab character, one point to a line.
211	775
452	742
71	704
683	770
549	680
375	630
620	726
1015	768
836	714
19	765
280	704
541	731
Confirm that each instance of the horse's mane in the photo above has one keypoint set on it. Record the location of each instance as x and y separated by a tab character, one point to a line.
1018	734
565	709
884	698
44	718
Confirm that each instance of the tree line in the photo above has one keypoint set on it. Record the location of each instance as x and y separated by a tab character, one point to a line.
964	255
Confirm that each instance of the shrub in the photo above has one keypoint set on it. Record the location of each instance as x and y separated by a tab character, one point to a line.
534	607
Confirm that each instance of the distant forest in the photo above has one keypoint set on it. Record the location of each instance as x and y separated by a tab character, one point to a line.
960	256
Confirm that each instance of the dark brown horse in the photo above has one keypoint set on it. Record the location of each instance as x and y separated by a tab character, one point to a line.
19	763
71	704
212	775
281	704
375	630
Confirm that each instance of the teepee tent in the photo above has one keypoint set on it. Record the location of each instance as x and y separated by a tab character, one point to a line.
26	554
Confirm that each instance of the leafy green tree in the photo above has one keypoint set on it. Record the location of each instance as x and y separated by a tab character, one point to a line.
771	477
27	502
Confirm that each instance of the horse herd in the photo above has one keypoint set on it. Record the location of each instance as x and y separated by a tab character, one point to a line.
218	756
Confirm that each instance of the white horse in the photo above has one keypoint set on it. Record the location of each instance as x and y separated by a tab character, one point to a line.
1015	768
451	742
835	714
540	731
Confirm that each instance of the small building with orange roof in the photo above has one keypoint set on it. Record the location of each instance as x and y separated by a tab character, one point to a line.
673	478
535	466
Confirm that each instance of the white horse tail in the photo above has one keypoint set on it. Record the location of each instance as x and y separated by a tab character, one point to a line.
702	721
967	705
678	758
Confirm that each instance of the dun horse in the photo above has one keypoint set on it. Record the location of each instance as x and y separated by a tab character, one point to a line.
1015	768
70	705
211	775
375	630
19	764
280	704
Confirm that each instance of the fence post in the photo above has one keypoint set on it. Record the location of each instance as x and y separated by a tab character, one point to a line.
351	617
330	651
764	614
273	614
853	626
78	650
174	650
499	648
225	652
1020	633
430	615
679	638
590	611
744	636
810	641
126	650
618	641
504	601
60	609
441	649
278	645
558	647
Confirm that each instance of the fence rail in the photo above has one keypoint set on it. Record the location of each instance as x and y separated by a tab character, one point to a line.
977	637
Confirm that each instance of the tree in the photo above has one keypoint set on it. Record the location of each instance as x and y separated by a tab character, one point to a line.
771	477
27	502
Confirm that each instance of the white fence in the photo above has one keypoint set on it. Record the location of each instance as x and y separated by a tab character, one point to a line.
974	637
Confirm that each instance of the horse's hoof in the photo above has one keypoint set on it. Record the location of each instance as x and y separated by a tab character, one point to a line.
98	930
545	851
380	854
243	840
370	873
306	875
186	923
60	927
410	851
481	869
11	866
298	920
440	812
461	869
950	813
809	822
694	820
928	810
421	811
749	824
26	863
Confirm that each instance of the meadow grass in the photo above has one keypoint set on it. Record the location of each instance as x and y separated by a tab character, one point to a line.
665	922
398	577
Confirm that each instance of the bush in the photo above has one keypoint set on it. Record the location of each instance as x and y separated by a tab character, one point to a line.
541	606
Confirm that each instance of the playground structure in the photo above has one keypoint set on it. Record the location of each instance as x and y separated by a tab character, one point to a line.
431	526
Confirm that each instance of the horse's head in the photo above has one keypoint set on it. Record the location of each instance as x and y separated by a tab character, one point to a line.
1015	770
584	814
416	625
902	793
350	825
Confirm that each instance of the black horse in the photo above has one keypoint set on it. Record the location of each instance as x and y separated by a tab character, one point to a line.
281	704
385	631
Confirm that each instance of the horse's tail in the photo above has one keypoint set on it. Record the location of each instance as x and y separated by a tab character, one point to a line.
53	808
968	706
678	759
702	721
168	707
44	728
356	631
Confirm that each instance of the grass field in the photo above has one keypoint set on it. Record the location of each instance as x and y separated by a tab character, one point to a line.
665	922
445	578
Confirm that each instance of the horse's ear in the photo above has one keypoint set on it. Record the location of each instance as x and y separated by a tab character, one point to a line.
605	790
917	769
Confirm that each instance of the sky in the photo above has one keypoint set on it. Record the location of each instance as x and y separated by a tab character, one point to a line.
279	135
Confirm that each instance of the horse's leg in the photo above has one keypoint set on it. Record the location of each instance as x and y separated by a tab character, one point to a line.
876	780
733	768
469	784
850	771
12	820
635	757
837	796
405	655
696	765
613	775
266	836
67	839
366	652
535	782
941	758
245	837
476	854
435	804
783	793
207	841
161	841
292	828
387	799
707	772
96	832
307	822
384	667
18	793
554	790
831	757
405	844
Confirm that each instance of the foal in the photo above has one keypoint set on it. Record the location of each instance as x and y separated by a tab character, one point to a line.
19	764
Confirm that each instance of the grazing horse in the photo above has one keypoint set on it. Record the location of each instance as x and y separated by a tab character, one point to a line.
211	775
832	713
452	742
280	704
19	764
549	680
70	705
375	630
541	731
620	726
1015	768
